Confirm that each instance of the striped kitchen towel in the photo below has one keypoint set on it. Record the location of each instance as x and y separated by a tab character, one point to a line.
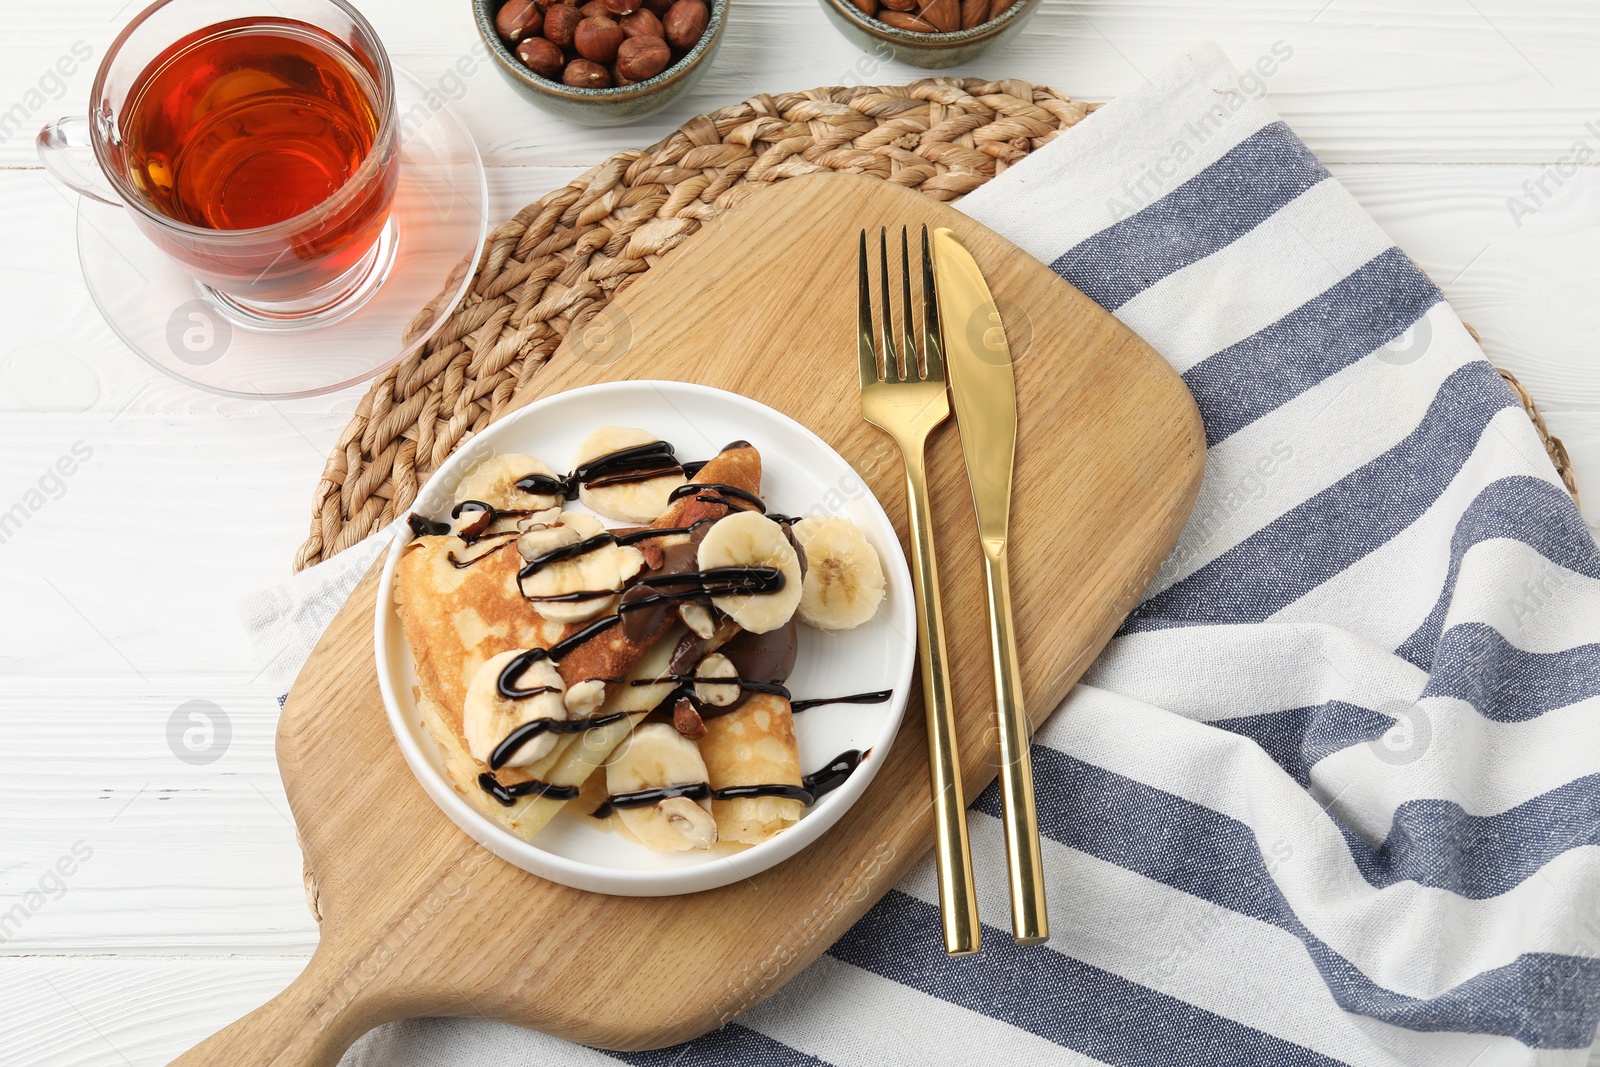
1330	795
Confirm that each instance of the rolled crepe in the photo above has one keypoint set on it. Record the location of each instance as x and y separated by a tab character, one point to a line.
753	745
456	619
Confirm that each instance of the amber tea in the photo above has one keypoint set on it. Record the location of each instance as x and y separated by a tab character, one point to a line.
249	124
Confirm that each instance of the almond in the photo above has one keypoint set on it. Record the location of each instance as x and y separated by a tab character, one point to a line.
901	20
943	15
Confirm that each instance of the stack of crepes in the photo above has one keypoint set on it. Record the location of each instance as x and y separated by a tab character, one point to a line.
547	647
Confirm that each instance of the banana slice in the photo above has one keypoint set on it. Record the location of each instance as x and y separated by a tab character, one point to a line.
549	530
494	481
625	501
585	698
488	718
653	756
750	539
844	581
598	573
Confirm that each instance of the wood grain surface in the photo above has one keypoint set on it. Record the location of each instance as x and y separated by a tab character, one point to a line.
418	920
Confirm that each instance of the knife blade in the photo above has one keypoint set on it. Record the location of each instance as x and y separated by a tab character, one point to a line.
981	381
983	385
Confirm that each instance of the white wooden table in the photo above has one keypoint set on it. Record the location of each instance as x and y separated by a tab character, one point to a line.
181	905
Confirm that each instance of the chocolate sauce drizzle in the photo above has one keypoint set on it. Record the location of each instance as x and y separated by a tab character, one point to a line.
509	794
717	493
640	463
813	787
876	697
460	564
637	464
529	730
425	527
603	540
686	683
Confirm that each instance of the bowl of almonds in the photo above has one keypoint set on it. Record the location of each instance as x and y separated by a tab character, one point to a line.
929	33
601	62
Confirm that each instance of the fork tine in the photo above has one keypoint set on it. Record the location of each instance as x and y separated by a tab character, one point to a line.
867	355
932	332
909	347
892	368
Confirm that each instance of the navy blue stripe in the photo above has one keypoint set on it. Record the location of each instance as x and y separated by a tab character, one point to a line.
1526	509
1311	543
1475	664
1056	997
1505	683
1362	313
1299	738
731	1046
1437	843
1231	197
1541	999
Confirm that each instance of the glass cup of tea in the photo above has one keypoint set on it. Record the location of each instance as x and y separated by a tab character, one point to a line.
258	151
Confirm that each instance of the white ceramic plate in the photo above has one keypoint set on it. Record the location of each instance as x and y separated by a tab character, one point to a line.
801	475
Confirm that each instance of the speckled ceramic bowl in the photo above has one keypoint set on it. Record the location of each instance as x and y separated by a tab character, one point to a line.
929	50
605	107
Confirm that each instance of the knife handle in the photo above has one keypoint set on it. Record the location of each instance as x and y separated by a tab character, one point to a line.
958	898
1030	922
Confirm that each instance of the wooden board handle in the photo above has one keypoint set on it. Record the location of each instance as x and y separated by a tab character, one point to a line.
312	1023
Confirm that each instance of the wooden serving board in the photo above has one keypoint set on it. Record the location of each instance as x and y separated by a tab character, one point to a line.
417	919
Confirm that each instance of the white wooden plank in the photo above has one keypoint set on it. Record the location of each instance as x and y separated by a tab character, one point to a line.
124	835
127	1012
1528	282
1423	80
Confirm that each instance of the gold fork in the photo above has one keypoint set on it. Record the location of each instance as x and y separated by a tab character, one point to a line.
907	401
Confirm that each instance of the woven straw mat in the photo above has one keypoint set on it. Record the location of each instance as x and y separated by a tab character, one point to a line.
560	261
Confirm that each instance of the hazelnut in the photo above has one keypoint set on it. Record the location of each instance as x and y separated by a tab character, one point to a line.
687	720
518	19
560	23
621	7
593	9
542	57
642	57
598	39
658	8
642	23
686	21
585	74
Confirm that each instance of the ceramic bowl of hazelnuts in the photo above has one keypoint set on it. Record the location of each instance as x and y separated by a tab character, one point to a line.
601	62
929	33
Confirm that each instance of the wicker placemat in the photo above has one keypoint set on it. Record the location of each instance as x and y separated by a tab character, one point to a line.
559	262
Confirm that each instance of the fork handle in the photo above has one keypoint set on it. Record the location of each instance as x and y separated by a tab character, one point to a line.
958	899
1030	923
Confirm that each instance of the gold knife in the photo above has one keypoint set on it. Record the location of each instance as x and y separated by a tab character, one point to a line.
985	392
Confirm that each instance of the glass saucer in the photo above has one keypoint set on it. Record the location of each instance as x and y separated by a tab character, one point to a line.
424	258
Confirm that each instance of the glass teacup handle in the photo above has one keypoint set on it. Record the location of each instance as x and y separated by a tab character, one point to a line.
67	153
